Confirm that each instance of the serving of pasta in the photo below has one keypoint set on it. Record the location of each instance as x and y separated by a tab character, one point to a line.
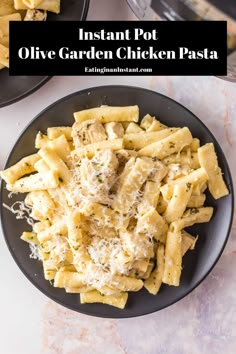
17	10
109	201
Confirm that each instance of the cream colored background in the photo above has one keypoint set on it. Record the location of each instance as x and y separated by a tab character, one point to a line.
202	323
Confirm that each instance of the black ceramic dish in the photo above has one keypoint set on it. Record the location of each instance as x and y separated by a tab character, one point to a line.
212	236
14	88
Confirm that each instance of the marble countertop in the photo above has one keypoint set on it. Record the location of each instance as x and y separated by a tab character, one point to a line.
203	322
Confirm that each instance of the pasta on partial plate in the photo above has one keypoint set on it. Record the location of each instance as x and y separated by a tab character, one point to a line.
17	10
109	200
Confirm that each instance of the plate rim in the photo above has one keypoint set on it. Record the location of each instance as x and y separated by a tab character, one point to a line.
27	93
122	314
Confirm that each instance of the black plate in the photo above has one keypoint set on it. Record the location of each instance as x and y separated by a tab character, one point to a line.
212	236
14	88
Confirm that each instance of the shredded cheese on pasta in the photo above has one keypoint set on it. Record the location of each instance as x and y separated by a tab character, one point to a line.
107	219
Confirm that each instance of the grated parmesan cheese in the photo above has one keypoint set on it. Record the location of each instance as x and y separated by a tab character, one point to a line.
22	212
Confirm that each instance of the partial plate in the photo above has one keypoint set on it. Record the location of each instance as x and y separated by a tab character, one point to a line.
15	88
212	236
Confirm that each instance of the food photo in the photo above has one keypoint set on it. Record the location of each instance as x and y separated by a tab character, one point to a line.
110	197
116	203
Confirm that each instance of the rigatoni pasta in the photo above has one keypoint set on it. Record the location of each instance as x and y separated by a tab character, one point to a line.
107	114
208	160
109	201
169	145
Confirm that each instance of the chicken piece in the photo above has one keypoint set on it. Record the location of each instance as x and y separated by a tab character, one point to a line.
160	170
114	130
123	157
35	15
98	175
87	132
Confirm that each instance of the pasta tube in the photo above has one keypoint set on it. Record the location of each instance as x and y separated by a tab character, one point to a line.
208	160
21	168
153	283
191	217
113	300
37	182
173	258
135	141
169	145
177	205
105	114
